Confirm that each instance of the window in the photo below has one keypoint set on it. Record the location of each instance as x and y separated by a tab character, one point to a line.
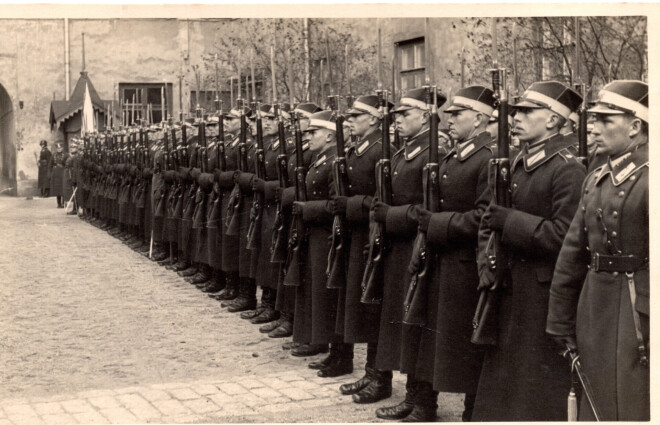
412	63
149	101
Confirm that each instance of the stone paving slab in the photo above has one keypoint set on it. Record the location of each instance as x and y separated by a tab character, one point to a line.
95	333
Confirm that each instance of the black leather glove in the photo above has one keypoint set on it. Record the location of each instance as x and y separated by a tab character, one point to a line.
337	205
566	341
424	220
495	216
237	175
195	172
297	208
288	196
380	211
258	185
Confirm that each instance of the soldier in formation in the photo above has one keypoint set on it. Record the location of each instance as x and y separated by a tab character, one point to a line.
249	197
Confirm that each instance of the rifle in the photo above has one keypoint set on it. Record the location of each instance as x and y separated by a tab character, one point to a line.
254	229
278	240
583	148
336	269
414	305
484	321
294	265
201	156
233	219
372	279
220	156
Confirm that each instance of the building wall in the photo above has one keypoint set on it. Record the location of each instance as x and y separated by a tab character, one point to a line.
159	50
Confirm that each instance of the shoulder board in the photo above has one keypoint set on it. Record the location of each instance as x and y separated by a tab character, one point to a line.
415	152
473	146
552	148
275	145
305	146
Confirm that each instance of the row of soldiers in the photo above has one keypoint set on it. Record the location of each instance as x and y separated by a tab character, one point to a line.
359	235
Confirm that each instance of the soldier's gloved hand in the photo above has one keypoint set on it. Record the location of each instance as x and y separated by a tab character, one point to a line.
297	208
337	205
367	201
195	172
495	216
288	196
486	278
424	219
566	341
258	185
380	211
237	175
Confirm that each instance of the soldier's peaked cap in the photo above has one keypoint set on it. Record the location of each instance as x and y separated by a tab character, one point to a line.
368	104
43	143
416	98
476	98
266	110
323	119
623	97
551	95
307	109
236	112
275	109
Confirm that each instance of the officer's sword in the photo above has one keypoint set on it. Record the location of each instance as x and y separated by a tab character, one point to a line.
584	381
71	199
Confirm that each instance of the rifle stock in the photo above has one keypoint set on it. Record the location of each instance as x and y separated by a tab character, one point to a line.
336	268
583	148
484	322
414	305
233	219
372	279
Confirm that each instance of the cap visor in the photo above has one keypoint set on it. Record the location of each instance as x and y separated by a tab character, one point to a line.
356	112
453	108
403	108
527	104
602	109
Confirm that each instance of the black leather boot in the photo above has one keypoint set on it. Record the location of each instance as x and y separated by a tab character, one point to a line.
308	350
285	329
247	315
360	384
342	364
402	409
180	265
217	282
426	404
271	326
378	389
190	271
268	315
247	296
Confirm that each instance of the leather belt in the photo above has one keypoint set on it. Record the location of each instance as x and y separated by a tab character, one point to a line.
617	263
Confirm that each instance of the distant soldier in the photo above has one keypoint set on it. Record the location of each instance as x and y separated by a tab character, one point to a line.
56	167
523	378
44	176
599	298
68	186
400	219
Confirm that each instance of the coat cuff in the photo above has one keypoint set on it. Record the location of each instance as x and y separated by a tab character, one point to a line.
270	188
519	229
225	179
316	212
398	220
245	182
205	181
355	210
438	232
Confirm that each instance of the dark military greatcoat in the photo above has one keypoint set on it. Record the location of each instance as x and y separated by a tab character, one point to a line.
446	356
401	229
523	377
225	180
316	305
56	166
359	322
594	302
44	175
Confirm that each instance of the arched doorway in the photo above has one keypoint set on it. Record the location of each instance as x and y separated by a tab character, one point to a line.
7	145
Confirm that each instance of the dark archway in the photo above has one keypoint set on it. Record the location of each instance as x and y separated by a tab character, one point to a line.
7	145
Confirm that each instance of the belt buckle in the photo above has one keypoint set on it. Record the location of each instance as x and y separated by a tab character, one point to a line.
596	262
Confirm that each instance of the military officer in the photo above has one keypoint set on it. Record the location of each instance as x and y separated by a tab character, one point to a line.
56	167
400	219
524	368
358	322
599	298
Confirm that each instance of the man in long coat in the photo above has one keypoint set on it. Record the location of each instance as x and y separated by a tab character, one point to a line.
599	298
400	219
56	167
44	176
443	353
523	378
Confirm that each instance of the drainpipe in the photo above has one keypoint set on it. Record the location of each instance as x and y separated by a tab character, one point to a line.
67	72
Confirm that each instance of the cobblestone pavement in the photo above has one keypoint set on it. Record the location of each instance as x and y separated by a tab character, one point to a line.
93	332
